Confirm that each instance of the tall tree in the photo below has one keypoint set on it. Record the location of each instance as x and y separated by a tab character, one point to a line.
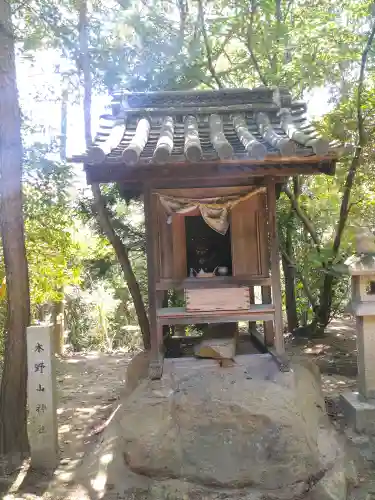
323	313
59	305
13	427
289	272
102	214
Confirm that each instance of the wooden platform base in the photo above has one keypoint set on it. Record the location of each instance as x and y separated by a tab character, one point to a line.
179	315
244	344
178	347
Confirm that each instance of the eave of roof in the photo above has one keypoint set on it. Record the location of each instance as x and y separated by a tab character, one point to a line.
212	172
260	127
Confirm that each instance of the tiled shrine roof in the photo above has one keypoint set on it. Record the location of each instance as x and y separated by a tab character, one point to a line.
204	126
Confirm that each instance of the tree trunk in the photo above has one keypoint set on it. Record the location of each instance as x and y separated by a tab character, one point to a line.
58	307
289	270
290	295
123	258
103	217
13	417
64	116
84	66
58	313
323	313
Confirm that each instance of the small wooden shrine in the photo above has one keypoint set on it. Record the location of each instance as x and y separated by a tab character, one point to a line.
209	165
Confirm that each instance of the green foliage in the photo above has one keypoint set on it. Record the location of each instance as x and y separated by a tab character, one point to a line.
100	314
52	253
320	198
54	257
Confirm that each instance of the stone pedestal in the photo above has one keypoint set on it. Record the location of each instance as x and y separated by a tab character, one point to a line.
359	407
42	425
359	413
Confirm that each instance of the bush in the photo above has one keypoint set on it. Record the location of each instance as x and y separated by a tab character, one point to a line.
102	318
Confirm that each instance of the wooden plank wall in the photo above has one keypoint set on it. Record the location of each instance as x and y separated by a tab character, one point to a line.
165	244
171	246
179	247
250	254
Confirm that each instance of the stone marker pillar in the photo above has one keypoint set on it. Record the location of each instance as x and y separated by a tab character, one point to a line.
42	422
359	407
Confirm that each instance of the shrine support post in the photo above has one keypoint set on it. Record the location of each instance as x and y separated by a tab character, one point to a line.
275	267
154	298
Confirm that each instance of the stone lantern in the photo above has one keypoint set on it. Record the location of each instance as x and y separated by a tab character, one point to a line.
359	407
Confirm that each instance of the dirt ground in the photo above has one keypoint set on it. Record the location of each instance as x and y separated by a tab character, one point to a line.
90	385
335	354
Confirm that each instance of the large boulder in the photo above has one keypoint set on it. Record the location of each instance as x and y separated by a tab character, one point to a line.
136	371
246	432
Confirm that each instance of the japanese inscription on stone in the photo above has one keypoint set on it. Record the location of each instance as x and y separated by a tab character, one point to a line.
41	397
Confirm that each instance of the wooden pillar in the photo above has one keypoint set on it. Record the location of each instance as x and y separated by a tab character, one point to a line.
252	324
268	326
275	266
154	299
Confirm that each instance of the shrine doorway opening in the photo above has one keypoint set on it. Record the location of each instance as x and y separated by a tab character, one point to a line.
206	249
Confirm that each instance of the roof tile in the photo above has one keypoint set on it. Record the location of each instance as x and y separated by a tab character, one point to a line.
274	122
